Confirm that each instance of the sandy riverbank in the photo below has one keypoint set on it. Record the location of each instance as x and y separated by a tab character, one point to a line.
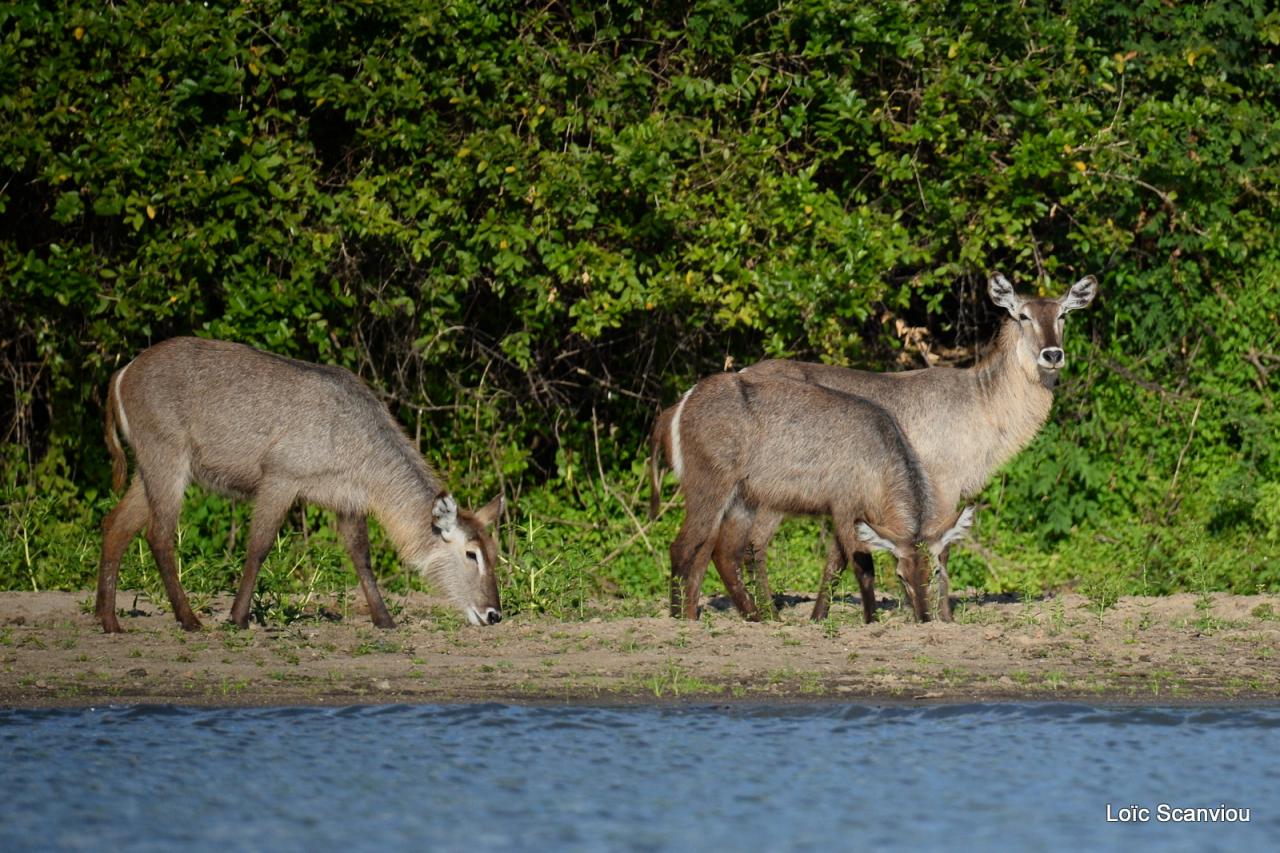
1175	649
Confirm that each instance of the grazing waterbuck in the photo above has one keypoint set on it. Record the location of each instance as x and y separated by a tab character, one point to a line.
259	426
963	423
743	446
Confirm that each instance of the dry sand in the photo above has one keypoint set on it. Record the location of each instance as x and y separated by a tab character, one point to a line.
1175	649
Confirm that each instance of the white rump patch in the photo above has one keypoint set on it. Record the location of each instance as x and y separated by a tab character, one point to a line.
677	458
122	420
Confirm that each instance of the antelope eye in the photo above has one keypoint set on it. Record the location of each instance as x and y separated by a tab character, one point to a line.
471	555
1023	317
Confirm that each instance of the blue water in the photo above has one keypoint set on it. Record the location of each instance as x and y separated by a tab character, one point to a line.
494	777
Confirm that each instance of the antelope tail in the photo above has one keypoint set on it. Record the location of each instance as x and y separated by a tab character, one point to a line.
119	461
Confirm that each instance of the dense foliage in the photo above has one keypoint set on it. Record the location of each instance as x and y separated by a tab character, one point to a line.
529	225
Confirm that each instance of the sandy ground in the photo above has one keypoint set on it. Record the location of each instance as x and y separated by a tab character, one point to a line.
1176	649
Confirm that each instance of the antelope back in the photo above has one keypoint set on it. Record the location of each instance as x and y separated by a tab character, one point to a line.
799	448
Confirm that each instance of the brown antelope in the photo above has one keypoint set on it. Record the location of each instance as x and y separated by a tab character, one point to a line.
743	446
259	426
962	422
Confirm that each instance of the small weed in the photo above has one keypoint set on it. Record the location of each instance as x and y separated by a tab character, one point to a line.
676	681
628	644
810	682
230	686
969	613
1029	616
1263	611
1206	623
1103	589
788	640
376	646
1057	620
447	621
1161	680
233	638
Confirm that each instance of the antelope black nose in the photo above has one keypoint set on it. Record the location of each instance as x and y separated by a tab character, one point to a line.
493	616
1052	355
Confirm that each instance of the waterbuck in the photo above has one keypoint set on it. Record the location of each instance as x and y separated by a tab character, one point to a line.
259	426
743	446
962	422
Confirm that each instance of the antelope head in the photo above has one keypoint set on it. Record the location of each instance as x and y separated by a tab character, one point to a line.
464	561
916	561
1040	321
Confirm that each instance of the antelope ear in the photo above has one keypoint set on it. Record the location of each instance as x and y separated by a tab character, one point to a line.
1080	294
868	534
444	515
491	512
958	531
1002	294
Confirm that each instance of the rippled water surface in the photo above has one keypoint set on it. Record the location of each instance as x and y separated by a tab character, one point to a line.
494	777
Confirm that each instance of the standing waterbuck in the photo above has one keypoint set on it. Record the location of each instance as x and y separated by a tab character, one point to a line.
743	446
259	426
962	422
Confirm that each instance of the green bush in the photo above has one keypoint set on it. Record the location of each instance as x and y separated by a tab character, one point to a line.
529	225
